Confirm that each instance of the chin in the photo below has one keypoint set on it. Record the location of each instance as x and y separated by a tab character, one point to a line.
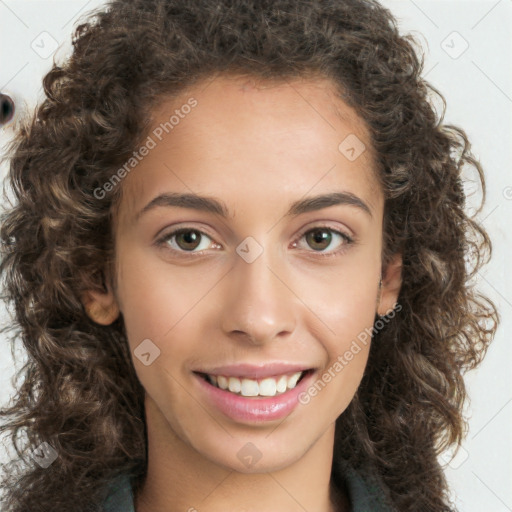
252	454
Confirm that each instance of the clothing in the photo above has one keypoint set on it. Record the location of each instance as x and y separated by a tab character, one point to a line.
365	494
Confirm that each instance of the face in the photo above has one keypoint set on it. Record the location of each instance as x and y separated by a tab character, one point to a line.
267	281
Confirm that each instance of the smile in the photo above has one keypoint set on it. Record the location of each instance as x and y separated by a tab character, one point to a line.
243	386
244	400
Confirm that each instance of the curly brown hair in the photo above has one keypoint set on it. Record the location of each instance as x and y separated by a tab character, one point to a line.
80	391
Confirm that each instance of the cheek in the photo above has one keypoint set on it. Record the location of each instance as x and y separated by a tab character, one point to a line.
346	341
335	385
343	298
160	304
154	296
343	305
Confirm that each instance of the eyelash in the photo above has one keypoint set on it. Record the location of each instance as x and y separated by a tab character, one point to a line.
162	241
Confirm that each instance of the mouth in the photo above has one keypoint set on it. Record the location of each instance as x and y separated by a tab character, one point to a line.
256	388
253	401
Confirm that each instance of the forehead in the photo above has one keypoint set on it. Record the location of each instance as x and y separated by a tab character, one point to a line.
245	133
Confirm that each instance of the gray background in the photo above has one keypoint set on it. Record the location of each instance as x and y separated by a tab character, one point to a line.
468	51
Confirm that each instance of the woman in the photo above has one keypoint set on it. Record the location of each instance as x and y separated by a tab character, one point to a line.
196	344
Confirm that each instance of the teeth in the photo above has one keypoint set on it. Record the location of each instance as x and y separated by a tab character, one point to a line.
268	386
234	385
249	387
292	381
222	382
282	384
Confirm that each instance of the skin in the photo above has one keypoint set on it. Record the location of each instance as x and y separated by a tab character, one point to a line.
258	147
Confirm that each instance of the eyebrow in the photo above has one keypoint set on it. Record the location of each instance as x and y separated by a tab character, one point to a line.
212	205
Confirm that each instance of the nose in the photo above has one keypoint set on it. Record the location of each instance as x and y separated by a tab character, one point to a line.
261	306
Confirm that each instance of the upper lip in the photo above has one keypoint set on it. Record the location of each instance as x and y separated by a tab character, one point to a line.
256	371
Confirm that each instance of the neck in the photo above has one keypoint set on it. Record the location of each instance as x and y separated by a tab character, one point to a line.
179	478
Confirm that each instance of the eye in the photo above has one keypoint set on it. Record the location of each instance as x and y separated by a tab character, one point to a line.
320	237
187	240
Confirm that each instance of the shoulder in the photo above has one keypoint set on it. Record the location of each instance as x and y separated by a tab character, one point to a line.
367	493
120	495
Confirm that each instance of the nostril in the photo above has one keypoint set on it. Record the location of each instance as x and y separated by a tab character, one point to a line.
6	109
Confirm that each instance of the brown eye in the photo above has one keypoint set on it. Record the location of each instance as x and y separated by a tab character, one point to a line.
188	239
185	240
319	239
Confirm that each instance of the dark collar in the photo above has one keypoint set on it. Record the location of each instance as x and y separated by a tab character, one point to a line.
365	493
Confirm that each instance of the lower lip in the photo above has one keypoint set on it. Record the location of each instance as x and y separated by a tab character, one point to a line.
254	409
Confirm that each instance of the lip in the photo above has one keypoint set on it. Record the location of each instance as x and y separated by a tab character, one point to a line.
252	409
251	371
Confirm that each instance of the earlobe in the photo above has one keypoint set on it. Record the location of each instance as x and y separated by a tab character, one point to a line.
391	284
100	307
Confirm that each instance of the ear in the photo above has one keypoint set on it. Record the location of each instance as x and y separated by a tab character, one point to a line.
101	307
391	284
